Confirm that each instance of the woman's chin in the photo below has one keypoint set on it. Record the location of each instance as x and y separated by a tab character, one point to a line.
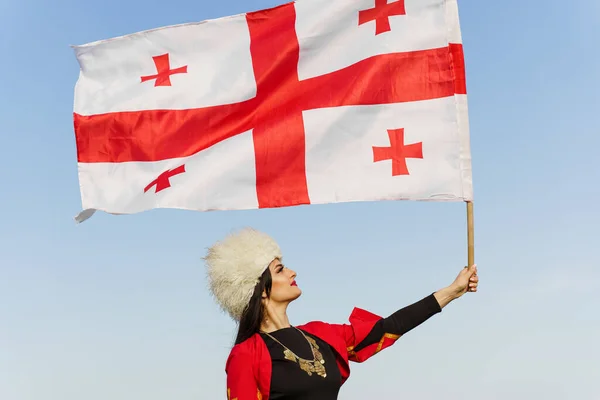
297	293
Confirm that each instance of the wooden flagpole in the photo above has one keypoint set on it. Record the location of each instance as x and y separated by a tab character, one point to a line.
470	234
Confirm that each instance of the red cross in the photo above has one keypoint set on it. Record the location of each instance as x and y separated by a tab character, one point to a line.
163	67
381	14
162	182
275	114
398	152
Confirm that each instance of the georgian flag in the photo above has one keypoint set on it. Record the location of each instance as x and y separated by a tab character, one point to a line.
309	102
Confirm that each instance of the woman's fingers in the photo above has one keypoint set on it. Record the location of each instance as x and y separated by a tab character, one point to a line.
474	282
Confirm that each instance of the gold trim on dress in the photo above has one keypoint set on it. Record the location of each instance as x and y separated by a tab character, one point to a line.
386	336
229	395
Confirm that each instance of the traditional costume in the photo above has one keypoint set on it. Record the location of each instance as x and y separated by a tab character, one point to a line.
306	362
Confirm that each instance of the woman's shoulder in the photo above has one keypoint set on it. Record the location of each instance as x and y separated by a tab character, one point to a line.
360	323
247	346
247	350
241	353
324	330
358	315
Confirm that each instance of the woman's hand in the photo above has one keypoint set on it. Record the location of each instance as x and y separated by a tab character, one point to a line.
466	281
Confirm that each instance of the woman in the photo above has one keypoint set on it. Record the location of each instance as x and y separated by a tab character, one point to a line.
274	360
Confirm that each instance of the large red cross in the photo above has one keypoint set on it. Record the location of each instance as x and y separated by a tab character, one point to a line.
275	113
381	14
163	67
398	152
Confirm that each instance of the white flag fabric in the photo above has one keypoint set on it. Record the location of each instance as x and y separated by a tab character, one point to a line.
309	102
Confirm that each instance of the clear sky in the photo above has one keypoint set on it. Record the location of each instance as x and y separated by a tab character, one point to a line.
117	308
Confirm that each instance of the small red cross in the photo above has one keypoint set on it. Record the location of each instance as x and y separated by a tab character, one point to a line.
162	182
163	67
381	14
398	152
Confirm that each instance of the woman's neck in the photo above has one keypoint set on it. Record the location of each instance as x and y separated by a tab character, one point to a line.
275	318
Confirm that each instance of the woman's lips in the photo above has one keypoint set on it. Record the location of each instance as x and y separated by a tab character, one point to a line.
294	283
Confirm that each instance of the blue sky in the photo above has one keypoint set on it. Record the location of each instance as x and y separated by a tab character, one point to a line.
117	308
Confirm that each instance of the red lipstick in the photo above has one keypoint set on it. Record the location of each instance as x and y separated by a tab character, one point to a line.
294	283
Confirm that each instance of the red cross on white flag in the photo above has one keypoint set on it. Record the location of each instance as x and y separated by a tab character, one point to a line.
309	102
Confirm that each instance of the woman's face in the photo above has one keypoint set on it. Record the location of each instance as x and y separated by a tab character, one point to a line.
283	288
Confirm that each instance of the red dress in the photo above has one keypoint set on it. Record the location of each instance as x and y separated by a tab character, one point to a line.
249	364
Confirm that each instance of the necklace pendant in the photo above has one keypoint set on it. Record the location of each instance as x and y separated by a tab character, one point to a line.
316	365
306	367
320	370
289	355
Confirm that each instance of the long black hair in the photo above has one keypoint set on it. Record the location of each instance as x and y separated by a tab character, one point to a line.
254	312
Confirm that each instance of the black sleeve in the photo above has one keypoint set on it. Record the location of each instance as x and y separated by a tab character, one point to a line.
402	320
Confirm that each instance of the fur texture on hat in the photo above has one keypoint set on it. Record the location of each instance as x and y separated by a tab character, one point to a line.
234	267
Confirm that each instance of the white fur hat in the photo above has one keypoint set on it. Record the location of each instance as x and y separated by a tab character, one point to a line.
235	265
